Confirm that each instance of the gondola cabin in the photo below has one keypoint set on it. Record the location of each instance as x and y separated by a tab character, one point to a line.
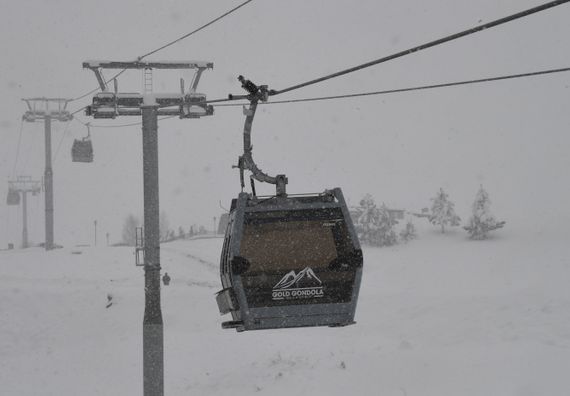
291	261
82	150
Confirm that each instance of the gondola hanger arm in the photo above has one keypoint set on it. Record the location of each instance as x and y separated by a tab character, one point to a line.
256	94
88	137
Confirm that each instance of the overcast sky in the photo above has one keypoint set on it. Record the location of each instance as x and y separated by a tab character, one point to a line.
510	136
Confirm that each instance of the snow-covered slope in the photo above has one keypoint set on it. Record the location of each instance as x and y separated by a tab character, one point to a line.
441	315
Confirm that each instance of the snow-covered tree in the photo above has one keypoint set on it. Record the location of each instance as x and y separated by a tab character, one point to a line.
443	212
482	221
129	229
374	225
409	232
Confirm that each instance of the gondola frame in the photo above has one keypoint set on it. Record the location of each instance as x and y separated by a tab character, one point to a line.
13	198
233	299
82	150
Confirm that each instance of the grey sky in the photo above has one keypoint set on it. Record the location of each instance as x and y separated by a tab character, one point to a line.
511	136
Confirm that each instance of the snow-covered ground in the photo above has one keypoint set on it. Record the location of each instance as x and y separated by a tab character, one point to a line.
441	315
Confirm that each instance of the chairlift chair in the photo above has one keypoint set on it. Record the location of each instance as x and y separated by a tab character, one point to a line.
287	260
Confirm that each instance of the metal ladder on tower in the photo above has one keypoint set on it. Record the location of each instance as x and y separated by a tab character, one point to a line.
147	80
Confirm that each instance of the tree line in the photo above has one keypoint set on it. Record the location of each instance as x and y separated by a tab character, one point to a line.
132	222
375	224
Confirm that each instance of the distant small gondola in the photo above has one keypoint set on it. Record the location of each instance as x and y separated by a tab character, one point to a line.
82	149
13	197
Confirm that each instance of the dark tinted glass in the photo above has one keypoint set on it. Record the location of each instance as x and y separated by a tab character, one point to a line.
281	244
295	252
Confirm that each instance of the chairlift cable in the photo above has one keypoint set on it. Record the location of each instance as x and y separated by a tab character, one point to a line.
196	30
81	109
95	89
18	148
425	46
79	121
165	46
399	90
27	157
61	140
121	125
219	102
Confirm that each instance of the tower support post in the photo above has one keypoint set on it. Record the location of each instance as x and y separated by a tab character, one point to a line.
153	340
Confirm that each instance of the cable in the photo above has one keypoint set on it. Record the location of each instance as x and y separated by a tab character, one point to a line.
122	125
81	122
18	148
96	89
427	45
27	156
60	141
196	31
362	94
167	45
390	91
418	88
78	110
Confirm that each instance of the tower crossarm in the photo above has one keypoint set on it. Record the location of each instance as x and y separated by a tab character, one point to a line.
25	184
108	104
97	65
41	108
104	64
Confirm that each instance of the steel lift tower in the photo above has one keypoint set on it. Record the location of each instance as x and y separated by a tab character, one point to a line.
21	187
47	109
149	105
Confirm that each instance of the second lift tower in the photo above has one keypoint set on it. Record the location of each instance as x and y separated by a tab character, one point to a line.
47	109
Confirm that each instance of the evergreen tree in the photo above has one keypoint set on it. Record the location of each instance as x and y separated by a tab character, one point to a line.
408	233
482	221
443	212
374	225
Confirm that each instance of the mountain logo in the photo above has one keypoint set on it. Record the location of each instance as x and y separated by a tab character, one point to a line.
304	284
